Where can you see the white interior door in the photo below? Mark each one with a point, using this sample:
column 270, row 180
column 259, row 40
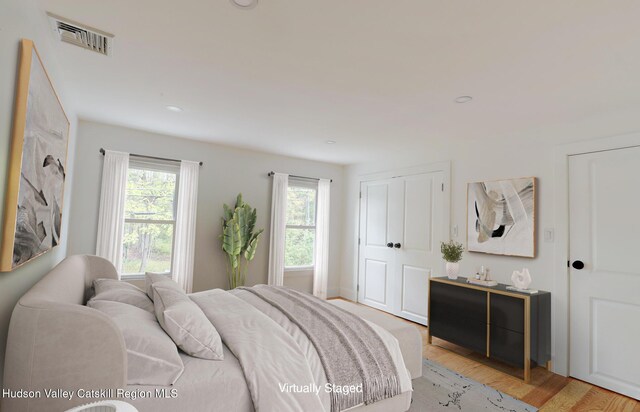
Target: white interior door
column 419, row 252
column 400, row 233
column 375, row 258
column 604, row 195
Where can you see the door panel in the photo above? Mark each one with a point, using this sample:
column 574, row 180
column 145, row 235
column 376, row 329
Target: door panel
column 377, row 214
column 415, row 286
column 418, row 199
column 375, row 258
column 604, row 193
column 421, row 228
column 375, row 281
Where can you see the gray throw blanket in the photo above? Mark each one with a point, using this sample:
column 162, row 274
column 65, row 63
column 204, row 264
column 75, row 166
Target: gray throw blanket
column 351, row 352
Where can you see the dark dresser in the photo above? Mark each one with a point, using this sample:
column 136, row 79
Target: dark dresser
column 510, row 326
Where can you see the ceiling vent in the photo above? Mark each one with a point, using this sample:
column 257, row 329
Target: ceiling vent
column 71, row 32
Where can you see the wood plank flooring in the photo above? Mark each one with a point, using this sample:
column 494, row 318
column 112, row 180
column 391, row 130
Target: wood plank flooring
column 547, row 391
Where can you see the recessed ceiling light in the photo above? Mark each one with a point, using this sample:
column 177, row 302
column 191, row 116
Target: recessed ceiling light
column 330, row 142
column 463, row 99
column 245, row 4
column 174, row 109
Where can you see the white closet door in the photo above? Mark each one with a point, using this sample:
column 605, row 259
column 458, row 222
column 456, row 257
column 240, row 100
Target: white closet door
column 376, row 258
column 400, row 235
column 419, row 252
column 604, row 193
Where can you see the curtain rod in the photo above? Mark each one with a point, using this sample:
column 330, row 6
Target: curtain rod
column 271, row 173
column 149, row 157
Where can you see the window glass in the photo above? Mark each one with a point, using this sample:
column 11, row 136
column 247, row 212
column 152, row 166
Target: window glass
column 149, row 220
column 301, row 206
column 301, row 225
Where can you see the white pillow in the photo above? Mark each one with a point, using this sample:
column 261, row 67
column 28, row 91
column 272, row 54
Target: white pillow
column 185, row 322
column 152, row 357
column 118, row 291
column 150, row 278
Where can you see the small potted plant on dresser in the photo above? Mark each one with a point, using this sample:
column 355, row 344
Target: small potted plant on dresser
column 452, row 254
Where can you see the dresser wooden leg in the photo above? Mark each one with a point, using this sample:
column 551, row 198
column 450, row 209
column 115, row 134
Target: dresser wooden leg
column 527, row 371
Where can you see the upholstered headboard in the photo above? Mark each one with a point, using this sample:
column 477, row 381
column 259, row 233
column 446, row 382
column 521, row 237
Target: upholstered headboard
column 55, row 342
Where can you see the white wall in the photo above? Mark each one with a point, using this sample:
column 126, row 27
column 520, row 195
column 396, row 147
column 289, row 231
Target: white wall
column 226, row 171
column 471, row 163
column 476, row 161
column 24, row 19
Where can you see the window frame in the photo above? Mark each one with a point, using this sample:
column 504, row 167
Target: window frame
column 309, row 184
column 163, row 167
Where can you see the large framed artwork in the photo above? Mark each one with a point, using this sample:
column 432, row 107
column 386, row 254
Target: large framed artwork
column 38, row 157
column 501, row 217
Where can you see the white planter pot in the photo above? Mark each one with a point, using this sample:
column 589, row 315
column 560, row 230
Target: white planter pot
column 452, row 270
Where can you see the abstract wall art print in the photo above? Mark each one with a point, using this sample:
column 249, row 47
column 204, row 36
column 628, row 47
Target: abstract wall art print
column 38, row 157
column 501, row 217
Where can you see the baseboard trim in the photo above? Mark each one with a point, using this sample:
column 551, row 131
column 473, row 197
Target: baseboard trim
column 349, row 293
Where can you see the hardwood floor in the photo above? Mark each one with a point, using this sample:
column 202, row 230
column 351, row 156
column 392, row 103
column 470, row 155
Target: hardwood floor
column 547, row 391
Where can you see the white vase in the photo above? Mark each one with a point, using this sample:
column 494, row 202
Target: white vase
column 452, row 270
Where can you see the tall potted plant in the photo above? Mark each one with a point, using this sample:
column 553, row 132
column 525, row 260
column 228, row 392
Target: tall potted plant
column 452, row 254
column 239, row 240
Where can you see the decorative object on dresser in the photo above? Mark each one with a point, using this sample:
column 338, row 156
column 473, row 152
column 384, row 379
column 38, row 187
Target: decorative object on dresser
column 512, row 327
column 501, row 217
column 239, row 240
column 521, row 280
column 38, row 157
column 452, row 254
column 482, row 278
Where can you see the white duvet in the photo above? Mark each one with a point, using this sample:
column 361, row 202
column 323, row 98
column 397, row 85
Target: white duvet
column 281, row 366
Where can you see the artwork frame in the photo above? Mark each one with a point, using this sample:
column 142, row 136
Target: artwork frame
column 34, row 196
column 514, row 232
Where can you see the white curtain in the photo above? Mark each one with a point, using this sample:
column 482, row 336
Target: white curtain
column 111, row 216
column 278, row 228
column 185, row 237
column 321, row 258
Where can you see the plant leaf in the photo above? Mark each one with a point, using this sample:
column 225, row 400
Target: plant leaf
column 231, row 238
column 228, row 213
column 250, row 252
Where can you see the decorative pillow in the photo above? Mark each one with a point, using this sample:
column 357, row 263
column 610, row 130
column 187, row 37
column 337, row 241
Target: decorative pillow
column 118, row 291
column 185, row 322
column 150, row 278
column 152, row 357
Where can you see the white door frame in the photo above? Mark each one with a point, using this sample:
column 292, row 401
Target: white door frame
column 560, row 299
column 444, row 167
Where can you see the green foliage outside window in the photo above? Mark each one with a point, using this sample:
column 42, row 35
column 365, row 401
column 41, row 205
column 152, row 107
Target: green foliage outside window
column 301, row 230
column 149, row 221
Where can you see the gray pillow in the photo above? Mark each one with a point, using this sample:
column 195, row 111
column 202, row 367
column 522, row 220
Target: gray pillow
column 150, row 278
column 152, row 357
column 185, row 322
column 119, row 291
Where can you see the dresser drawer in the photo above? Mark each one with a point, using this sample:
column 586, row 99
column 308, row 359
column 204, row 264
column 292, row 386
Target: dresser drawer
column 455, row 301
column 507, row 312
column 462, row 331
column 506, row 345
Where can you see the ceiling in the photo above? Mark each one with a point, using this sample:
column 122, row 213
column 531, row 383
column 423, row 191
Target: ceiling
column 372, row 75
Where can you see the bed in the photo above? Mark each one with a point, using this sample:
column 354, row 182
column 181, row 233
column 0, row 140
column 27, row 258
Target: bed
column 55, row 341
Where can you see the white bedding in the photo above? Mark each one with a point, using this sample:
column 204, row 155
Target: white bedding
column 205, row 386
column 262, row 349
column 310, row 352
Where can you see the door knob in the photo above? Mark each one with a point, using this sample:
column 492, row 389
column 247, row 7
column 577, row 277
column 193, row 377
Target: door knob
column 389, row 244
column 578, row 264
column 397, row 245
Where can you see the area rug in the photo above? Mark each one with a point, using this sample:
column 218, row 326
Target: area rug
column 441, row 389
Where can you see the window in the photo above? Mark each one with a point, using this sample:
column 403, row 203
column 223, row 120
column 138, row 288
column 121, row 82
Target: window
column 150, row 218
column 301, row 225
